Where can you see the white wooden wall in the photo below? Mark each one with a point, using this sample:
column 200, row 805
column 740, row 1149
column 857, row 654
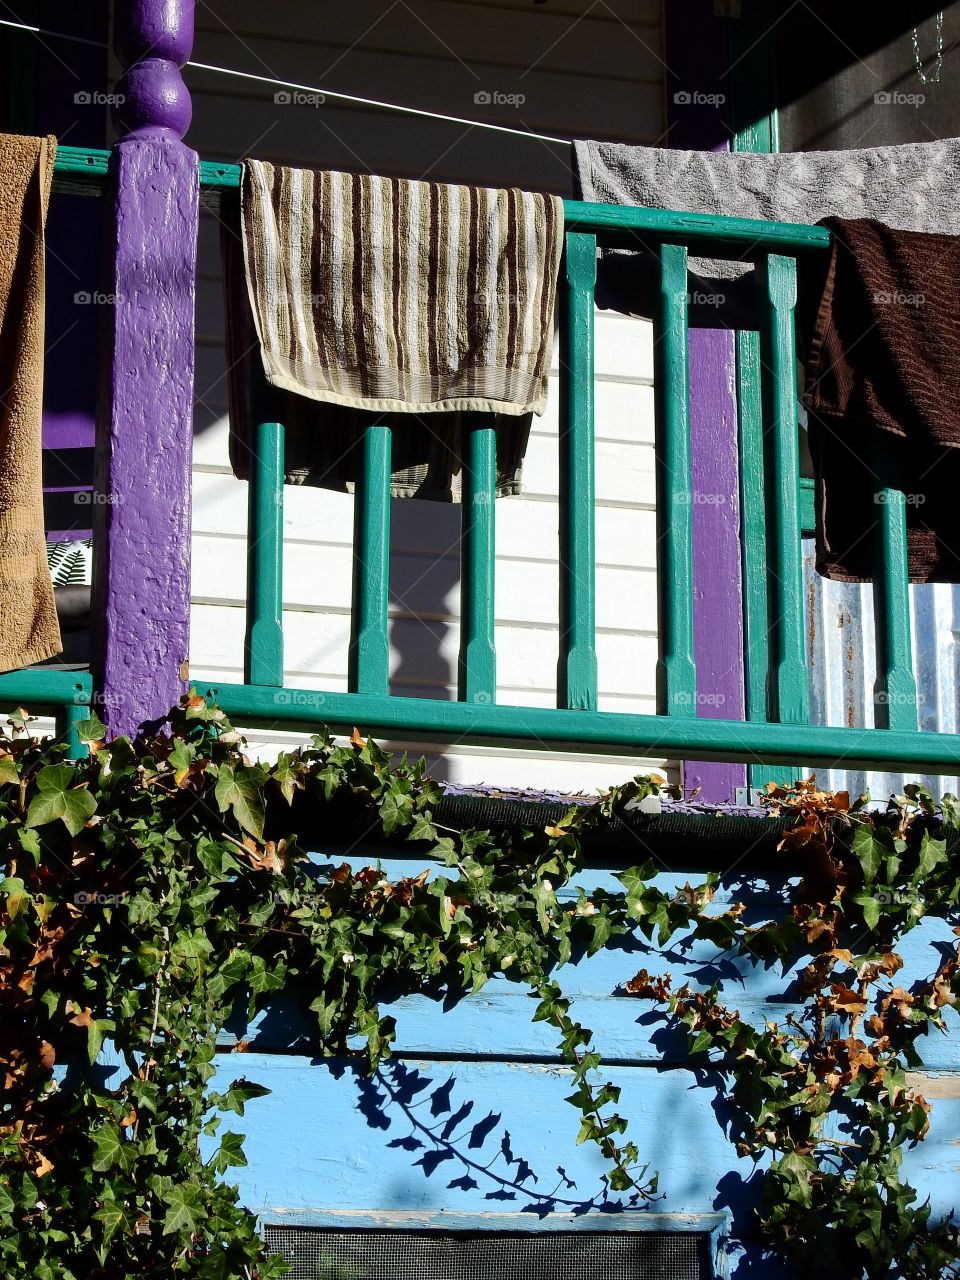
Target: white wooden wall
column 584, row 71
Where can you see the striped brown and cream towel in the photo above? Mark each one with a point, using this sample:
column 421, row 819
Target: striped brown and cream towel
column 386, row 294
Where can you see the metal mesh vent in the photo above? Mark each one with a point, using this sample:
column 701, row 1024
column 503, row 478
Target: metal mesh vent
column 320, row 1254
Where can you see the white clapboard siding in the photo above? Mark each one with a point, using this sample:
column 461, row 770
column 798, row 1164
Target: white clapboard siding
column 525, row 528
column 526, row 591
column 583, row 72
column 423, row 654
column 590, row 71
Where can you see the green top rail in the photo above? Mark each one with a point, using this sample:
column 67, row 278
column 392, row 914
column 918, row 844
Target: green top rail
column 83, row 171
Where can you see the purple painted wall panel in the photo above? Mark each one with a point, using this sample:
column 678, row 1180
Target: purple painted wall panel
column 698, row 118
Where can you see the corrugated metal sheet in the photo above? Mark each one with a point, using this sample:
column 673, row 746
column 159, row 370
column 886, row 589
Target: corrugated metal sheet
column 842, row 660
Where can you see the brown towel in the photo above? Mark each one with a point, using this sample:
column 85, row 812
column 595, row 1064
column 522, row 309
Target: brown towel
column 482, row 287
column 28, row 619
column 883, row 391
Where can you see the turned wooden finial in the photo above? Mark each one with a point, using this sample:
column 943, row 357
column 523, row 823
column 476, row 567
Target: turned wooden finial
column 154, row 39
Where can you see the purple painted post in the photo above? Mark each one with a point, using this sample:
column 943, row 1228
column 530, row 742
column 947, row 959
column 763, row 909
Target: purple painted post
column 143, row 480
column 698, row 118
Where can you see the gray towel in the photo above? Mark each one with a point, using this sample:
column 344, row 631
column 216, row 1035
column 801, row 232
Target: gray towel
column 914, row 187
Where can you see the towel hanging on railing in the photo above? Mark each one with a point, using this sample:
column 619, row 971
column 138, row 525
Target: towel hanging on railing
column 382, row 296
column 28, row 618
column 883, row 394
column 911, row 187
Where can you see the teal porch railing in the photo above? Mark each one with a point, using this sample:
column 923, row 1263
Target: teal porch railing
column 773, row 500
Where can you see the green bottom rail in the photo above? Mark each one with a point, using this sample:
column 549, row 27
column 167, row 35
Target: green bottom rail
column 555, row 729
column 68, row 694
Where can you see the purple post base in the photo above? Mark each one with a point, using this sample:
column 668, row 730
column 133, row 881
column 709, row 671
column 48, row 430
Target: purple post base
column 144, row 445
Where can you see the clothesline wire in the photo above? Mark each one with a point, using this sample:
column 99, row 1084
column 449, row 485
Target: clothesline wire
column 313, row 89
column 57, row 35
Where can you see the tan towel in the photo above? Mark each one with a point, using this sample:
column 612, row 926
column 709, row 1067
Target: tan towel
column 28, row 619
column 391, row 295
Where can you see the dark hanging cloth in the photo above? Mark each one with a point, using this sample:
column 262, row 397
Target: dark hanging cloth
column 883, row 397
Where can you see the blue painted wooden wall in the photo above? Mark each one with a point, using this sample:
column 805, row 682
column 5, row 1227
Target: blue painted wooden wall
column 467, row 1124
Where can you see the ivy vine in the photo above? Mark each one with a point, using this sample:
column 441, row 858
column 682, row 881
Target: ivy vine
column 866, row 879
column 150, row 887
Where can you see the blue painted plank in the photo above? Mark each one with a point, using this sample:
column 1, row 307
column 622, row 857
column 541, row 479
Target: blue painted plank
column 496, row 1022
column 480, row 1138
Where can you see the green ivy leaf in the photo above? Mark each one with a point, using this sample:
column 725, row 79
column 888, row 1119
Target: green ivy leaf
column 91, row 730
column 240, row 1092
column 114, row 1219
column 869, row 852
column 603, row 931
column 869, row 904
column 396, row 810
column 287, row 776
column 56, row 798
column 798, row 1169
column 95, row 1036
column 701, row 1042
column 241, row 790
column 108, row 1148
column 932, row 854
column 15, row 892
column 229, row 1153
column 182, row 1210
column 422, row 829
column 29, row 842
column 180, row 759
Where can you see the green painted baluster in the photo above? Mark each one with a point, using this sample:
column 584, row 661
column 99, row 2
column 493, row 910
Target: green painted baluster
column 808, row 505
column 263, row 646
column 676, row 671
column 577, row 668
column 777, row 296
column 369, row 642
column 895, row 689
column 68, row 716
column 477, row 673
